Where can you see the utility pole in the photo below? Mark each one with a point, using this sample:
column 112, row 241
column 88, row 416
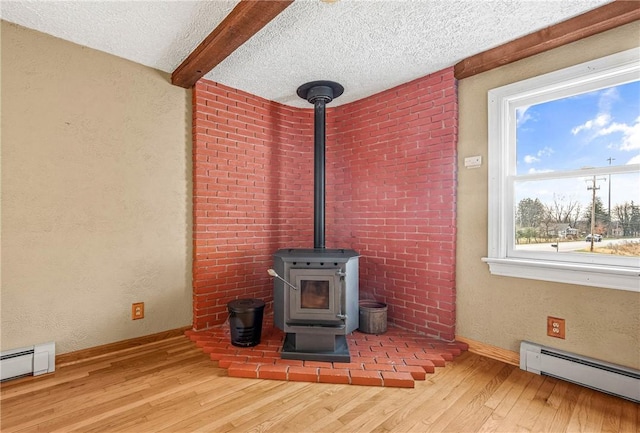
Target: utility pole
column 610, row 159
column 593, row 188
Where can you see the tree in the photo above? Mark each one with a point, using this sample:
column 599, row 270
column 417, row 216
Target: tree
column 635, row 219
column 530, row 213
column 628, row 217
column 601, row 215
column 563, row 210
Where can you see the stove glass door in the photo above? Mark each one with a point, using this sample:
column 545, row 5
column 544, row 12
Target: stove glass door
column 318, row 298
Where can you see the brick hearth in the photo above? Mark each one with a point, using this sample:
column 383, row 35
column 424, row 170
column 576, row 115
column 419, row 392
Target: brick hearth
column 396, row 358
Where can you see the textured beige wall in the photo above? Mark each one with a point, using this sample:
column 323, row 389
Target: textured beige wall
column 502, row 311
column 96, row 201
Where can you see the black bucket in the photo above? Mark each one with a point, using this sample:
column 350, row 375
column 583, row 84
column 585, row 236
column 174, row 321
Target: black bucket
column 245, row 321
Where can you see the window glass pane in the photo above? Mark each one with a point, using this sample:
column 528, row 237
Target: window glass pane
column 314, row 294
column 561, row 209
column 594, row 129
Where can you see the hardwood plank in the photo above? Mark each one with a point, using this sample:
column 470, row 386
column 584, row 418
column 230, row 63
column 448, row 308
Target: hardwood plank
column 565, row 409
column 245, row 20
column 552, row 403
column 604, row 18
column 510, row 410
column 463, row 384
column 579, row 421
column 172, row 386
column 536, row 404
column 611, row 417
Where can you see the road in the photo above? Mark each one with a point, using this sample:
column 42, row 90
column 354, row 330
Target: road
column 573, row 245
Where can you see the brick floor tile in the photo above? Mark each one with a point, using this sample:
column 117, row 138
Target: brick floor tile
column 318, row 364
column 292, row 362
column 261, row 360
column 369, row 378
column 447, row 355
column 222, row 353
column 437, row 360
column 303, row 374
column 349, row 365
column 277, row 372
column 377, row 349
column 390, row 359
column 416, row 371
column 398, row 380
column 250, row 370
column 334, row 375
column 364, row 356
column 378, row 367
column 425, row 364
column 226, row 361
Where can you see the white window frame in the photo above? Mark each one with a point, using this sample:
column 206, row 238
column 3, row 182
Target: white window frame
column 590, row 270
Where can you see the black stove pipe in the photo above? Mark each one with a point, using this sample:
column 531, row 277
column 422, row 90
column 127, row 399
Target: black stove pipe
column 319, row 93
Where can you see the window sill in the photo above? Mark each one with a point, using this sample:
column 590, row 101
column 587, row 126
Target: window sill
column 611, row 277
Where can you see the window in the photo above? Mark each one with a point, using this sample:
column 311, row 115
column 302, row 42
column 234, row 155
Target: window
column 564, row 175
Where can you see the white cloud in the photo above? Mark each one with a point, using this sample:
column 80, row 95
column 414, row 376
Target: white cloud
column 631, row 139
column 530, row 159
column 546, row 151
column 630, row 134
column 601, row 120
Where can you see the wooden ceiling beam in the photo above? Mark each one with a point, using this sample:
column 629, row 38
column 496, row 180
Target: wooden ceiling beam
column 604, row 18
column 244, row 21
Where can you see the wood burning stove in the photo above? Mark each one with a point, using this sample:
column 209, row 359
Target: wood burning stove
column 316, row 290
column 320, row 306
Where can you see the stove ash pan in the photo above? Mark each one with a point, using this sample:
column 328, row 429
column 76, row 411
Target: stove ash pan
column 325, row 298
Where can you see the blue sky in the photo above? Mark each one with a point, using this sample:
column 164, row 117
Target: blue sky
column 581, row 131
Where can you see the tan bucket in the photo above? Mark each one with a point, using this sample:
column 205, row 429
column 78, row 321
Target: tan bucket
column 373, row 317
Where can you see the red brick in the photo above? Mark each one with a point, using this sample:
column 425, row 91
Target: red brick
column 361, row 377
column 334, row 375
column 226, row 361
column 243, row 370
column 399, row 380
column 425, row 364
column 348, row 365
column 437, row 360
column 291, row 362
column 389, row 361
column 218, row 354
column 318, row 364
column 378, row 367
column 277, row 372
column 303, row 374
column 416, row 372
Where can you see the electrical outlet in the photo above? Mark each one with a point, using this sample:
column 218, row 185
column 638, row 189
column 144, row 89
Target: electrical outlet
column 555, row 327
column 137, row 311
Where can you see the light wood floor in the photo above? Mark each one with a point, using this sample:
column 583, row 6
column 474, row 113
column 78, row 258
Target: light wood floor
column 171, row 386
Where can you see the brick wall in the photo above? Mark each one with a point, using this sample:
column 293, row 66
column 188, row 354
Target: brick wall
column 391, row 161
column 391, row 195
column 252, row 180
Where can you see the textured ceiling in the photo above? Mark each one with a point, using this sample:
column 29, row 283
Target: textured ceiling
column 367, row 46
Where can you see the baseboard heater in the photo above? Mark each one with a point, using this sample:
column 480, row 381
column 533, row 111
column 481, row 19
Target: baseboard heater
column 27, row 361
column 610, row 378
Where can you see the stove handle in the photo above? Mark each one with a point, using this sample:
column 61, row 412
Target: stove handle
column 342, row 274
